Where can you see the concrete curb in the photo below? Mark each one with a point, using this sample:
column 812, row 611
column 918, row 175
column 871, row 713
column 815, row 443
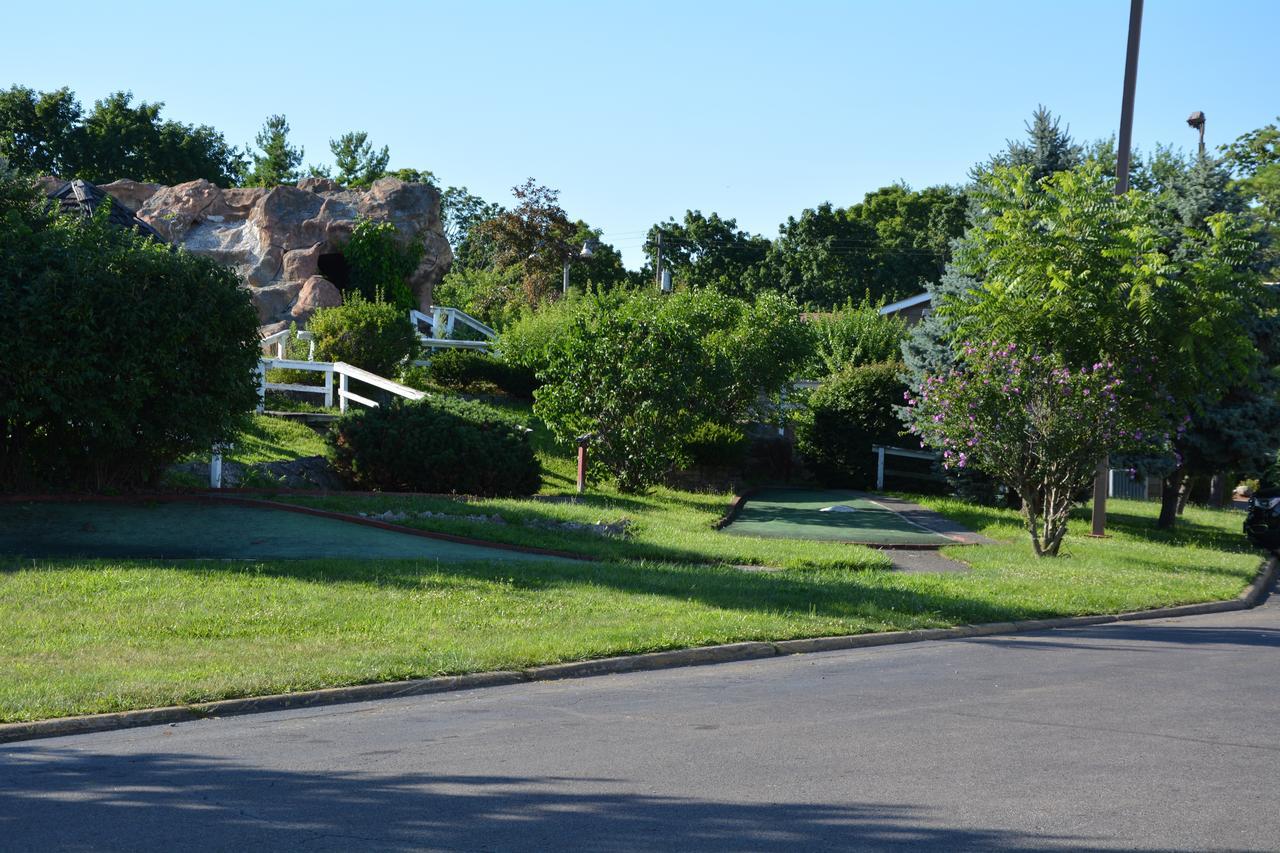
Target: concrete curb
column 10, row 732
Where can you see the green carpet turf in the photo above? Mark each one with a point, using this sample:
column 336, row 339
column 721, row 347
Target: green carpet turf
column 796, row 514
column 202, row 530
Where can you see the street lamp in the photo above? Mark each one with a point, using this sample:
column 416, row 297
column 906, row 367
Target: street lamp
column 588, row 250
column 1196, row 120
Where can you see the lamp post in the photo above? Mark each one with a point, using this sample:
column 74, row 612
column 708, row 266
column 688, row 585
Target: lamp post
column 1196, row 121
column 588, row 250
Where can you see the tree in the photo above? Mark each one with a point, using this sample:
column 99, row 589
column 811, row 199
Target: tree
column 460, row 212
column 913, row 236
column 276, row 161
column 1254, row 160
column 414, row 176
column 820, row 260
column 856, row 335
column 1032, row 421
column 358, row 164
column 48, row 133
column 128, row 354
column 705, row 251
column 1066, row 267
column 40, row 132
column 1047, row 149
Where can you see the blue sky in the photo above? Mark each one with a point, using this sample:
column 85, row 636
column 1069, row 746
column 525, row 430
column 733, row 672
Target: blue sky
column 638, row 111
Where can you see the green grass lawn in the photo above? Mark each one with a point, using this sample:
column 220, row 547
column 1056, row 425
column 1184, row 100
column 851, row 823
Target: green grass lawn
column 80, row 636
column 85, row 636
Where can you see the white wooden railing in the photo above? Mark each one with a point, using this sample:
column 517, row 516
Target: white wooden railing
column 280, row 342
column 442, row 321
column 344, row 373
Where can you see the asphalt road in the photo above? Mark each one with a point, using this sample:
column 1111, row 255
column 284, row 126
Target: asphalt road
column 1150, row 735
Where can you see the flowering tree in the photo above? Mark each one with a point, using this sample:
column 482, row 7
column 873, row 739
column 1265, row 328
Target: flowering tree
column 1034, row 424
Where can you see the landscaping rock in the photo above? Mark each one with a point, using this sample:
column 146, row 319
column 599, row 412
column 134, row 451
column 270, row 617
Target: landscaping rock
column 274, row 300
column 317, row 292
column 310, row 472
column 132, row 194
column 273, row 236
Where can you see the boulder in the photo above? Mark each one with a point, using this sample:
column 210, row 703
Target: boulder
column 274, row 236
column 274, row 300
column 132, row 194
column 317, row 292
column 301, row 264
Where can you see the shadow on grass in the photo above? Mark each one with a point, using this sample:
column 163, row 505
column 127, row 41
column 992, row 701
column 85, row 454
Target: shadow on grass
column 834, row 596
column 61, row 798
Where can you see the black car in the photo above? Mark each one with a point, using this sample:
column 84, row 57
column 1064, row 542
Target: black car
column 1262, row 524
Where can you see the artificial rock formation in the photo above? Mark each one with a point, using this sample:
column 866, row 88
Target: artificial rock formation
column 281, row 239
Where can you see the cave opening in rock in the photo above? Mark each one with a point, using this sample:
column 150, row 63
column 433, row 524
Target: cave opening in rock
column 334, row 267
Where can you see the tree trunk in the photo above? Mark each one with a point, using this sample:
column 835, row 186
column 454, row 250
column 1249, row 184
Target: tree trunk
column 1169, row 498
column 1218, row 490
column 1184, row 494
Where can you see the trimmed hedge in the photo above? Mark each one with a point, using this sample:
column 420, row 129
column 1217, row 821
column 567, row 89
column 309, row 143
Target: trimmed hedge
column 120, row 355
column 848, row 413
column 440, row 444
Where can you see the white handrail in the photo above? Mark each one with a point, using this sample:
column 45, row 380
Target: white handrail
column 350, row 371
column 325, row 367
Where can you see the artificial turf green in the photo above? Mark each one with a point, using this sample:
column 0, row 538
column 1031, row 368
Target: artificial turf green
column 809, row 514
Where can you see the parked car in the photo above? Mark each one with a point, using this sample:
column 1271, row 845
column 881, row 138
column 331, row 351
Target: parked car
column 1262, row 524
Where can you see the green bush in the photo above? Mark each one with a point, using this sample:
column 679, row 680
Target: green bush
column 468, row 369
column 440, row 445
column 853, row 336
column 120, row 355
column 644, row 373
column 528, row 342
column 380, row 265
column 716, row 445
column 847, row 414
column 375, row 336
column 493, row 296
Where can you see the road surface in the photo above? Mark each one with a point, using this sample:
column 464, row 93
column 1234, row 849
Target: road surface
column 1148, row 735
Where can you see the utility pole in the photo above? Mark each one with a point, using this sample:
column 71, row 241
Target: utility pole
column 1196, row 121
column 1103, row 475
column 657, row 269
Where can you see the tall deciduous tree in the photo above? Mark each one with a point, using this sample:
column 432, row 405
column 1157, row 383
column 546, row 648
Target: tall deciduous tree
column 1254, row 159
column 276, row 161
column 1066, row 266
column 706, row 251
column 49, row 133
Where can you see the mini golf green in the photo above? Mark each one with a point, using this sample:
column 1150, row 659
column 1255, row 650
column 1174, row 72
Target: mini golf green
column 184, row 529
column 850, row 517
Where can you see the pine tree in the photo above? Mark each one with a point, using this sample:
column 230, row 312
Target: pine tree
column 276, row 161
column 1048, row 148
column 358, row 164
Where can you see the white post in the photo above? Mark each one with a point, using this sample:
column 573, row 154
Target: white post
column 328, row 388
column 311, row 350
column 448, row 326
column 342, row 392
column 437, row 320
column 215, row 468
column 280, row 347
column 880, row 469
column 262, row 388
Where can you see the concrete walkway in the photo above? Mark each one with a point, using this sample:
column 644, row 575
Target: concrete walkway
column 1145, row 735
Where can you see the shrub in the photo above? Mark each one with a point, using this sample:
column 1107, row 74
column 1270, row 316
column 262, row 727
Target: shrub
column 716, row 445
column 628, row 376
column 643, row 374
column 120, row 355
column 1034, row 424
column 527, row 342
column 467, row 369
column 380, row 265
column 492, row 296
column 439, row 444
column 847, row 414
column 856, row 335
column 375, row 336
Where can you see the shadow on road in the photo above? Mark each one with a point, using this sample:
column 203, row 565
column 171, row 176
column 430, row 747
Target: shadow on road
column 59, row 798
column 1160, row 637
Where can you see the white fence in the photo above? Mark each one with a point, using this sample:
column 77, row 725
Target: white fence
column 344, row 373
column 442, row 322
